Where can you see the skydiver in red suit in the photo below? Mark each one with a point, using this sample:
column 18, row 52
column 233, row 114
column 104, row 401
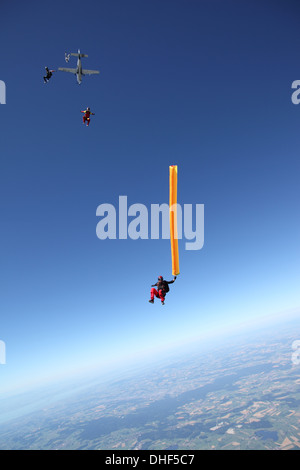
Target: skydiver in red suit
column 86, row 116
column 162, row 289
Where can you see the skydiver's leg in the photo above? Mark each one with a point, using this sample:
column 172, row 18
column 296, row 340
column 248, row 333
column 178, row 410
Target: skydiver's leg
column 84, row 119
column 88, row 121
column 153, row 293
column 161, row 295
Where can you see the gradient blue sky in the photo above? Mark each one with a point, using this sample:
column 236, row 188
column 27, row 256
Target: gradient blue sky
column 202, row 84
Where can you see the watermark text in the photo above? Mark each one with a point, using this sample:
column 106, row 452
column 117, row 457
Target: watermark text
column 296, row 352
column 2, row 92
column 138, row 226
column 2, row 352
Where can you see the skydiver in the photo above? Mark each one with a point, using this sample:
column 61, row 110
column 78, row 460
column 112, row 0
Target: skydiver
column 162, row 289
column 48, row 74
column 67, row 57
column 86, row 116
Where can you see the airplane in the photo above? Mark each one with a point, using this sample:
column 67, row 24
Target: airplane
column 79, row 71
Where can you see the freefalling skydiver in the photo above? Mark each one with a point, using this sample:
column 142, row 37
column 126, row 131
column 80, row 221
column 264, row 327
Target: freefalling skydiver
column 162, row 289
column 86, row 117
column 48, row 74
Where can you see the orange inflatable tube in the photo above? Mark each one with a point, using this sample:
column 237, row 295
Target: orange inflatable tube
column 173, row 219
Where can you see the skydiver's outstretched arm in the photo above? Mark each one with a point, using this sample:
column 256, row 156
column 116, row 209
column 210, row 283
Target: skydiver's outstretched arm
column 171, row 282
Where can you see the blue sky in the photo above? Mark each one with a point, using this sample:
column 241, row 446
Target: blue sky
column 203, row 84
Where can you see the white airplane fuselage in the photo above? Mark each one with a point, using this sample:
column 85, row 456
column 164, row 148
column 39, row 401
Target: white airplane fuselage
column 79, row 69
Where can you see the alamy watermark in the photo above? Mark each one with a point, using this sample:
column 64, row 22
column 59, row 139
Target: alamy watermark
column 296, row 352
column 295, row 95
column 2, row 92
column 138, row 226
column 2, row 352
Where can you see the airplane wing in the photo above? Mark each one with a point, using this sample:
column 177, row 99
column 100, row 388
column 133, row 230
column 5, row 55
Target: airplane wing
column 90, row 72
column 76, row 54
column 64, row 69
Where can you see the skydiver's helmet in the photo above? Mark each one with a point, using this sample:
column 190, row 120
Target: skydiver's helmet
column 160, row 278
column 88, row 109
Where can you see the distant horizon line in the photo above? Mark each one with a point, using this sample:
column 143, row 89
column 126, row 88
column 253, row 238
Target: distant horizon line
column 207, row 336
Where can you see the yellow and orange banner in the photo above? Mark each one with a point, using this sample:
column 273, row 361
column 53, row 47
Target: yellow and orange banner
column 173, row 219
